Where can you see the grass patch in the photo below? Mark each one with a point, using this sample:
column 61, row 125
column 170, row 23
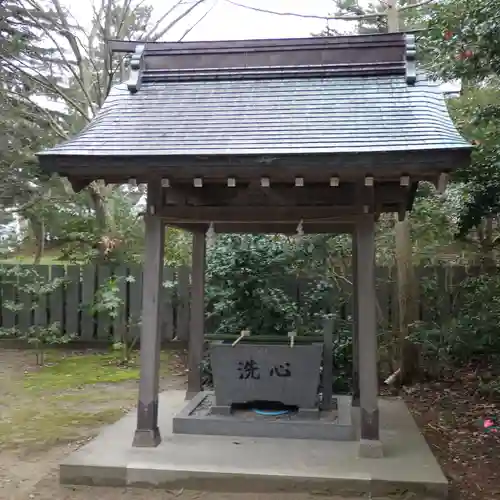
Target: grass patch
column 79, row 370
column 67, row 372
column 49, row 424
column 66, row 399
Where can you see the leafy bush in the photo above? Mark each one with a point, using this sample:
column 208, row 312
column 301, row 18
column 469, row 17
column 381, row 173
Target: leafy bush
column 108, row 300
column 470, row 332
column 251, row 284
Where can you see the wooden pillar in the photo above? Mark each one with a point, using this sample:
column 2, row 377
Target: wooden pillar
column 355, row 323
column 327, row 379
column 147, row 433
column 197, row 318
column 370, row 445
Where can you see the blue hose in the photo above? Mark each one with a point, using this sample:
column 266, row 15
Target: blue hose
column 270, row 413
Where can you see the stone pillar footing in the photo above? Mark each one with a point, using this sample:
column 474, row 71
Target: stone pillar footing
column 369, row 448
column 308, row 413
column 221, row 410
column 190, row 395
column 146, row 438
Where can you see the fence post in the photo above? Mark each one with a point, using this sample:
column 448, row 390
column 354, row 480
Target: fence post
column 56, row 299
column 72, row 303
column 40, row 318
column 103, row 318
column 88, row 291
column 183, row 276
column 9, row 317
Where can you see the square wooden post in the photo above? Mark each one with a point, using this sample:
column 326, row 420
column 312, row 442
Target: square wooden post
column 355, row 323
column 147, row 433
column 197, row 318
column 370, row 445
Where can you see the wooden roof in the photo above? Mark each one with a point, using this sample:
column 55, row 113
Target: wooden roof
column 348, row 106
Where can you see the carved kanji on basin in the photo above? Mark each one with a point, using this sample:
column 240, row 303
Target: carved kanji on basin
column 276, row 373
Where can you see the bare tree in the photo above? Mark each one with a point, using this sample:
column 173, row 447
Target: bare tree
column 77, row 72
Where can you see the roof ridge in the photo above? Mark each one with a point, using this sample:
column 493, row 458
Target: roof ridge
column 380, row 39
column 344, row 58
column 279, row 72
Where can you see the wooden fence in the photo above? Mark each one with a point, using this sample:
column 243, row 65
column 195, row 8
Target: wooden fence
column 70, row 304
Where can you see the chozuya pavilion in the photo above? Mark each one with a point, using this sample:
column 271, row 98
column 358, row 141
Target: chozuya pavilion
column 263, row 136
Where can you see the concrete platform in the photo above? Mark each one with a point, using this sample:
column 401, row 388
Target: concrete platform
column 242, row 464
column 196, row 418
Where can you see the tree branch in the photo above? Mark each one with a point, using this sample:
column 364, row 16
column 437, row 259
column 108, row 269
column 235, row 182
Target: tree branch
column 191, row 28
column 56, row 127
column 328, row 18
column 43, row 82
column 70, row 38
column 162, row 18
column 157, row 36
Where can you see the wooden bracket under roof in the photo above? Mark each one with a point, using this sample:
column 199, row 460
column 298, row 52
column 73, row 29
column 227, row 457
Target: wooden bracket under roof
column 136, row 66
column 411, row 59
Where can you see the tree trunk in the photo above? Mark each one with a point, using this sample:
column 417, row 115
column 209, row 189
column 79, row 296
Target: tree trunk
column 38, row 229
column 407, row 301
column 407, row 285
column 101, row 215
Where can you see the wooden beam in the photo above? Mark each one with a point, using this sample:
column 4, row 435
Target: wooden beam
column 404, row 181
column 366, row 196
column 197, row 317
column 147, row 433
column 283, row 168
column 122, row 46
column 256, row 214
column 268, row 227
column 278, row 194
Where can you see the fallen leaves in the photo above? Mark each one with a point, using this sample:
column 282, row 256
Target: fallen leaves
column 451, row 413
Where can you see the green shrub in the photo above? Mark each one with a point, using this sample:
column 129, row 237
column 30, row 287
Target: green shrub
column 251, row 284
column 470, row 331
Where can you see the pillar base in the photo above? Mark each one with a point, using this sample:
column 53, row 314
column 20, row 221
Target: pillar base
column 146, row 438
column 356, row 421
column 370, row 448
column 308, row 413
column 190, row 395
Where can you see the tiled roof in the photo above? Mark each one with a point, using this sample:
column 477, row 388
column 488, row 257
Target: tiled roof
column 226, row 116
